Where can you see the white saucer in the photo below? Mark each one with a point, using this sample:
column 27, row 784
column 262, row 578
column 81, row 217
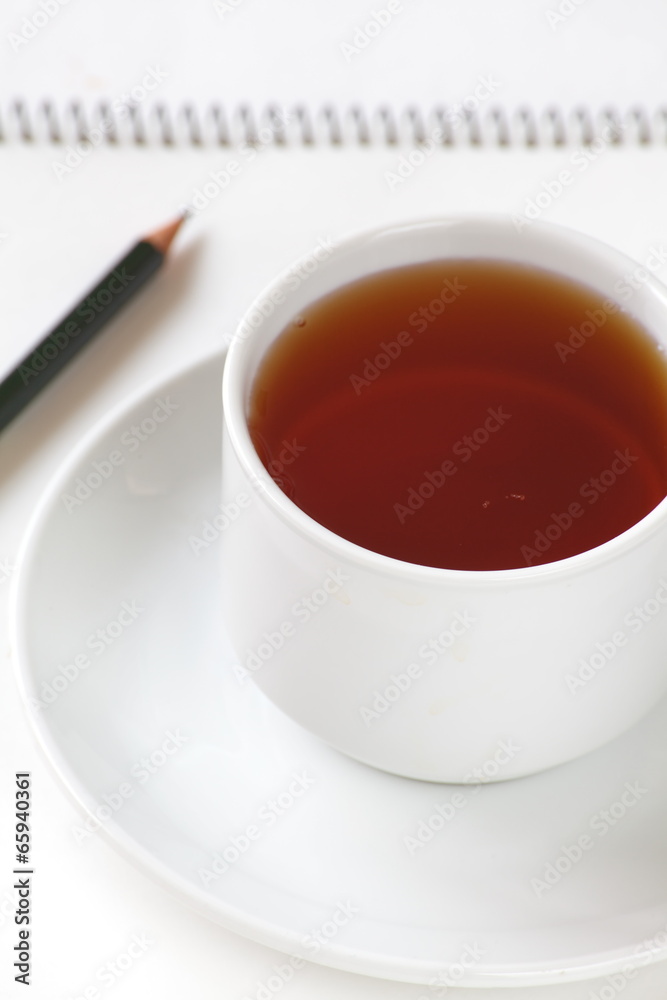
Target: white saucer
column 461, row 908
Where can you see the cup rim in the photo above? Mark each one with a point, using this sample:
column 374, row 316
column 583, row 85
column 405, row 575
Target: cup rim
column 268, row 492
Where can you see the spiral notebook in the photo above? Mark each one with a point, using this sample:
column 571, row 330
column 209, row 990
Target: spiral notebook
column 267, row 185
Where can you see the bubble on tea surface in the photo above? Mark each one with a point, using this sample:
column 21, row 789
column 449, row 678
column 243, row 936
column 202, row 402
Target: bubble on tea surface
column 299, row 321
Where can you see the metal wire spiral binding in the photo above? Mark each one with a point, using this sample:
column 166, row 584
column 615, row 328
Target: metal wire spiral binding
column 448, row 126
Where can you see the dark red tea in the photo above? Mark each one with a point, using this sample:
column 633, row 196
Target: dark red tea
column 466, row 414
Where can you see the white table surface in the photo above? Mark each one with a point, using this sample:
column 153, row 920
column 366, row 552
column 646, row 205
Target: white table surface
column 596, row 52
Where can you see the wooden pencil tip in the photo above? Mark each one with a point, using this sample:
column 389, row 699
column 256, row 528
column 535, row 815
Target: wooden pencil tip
column 162, row 238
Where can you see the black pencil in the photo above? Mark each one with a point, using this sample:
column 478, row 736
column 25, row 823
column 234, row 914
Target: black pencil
column 87, row 318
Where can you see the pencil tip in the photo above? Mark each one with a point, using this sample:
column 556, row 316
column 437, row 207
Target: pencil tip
column 162, row 238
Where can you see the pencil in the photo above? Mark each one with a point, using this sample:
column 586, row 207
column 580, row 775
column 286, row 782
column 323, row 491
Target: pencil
column 87, row 318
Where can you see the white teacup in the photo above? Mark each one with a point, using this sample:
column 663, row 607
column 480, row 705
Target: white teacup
column 535, row 665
